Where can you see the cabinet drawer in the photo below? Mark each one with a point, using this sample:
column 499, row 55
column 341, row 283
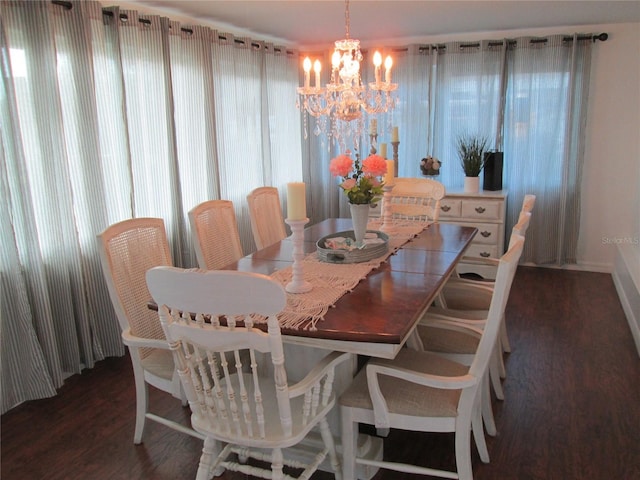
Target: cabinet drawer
column 450, row 208
column 487, row 232
column 482, row 250
column 481, row 209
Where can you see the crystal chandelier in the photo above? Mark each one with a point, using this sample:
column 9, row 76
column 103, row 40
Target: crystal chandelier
column 345, row 98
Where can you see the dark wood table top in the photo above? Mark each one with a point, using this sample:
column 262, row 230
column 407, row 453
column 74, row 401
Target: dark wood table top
column 377, row 317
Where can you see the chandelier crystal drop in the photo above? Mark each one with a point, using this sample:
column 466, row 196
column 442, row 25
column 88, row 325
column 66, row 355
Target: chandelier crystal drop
column 345, row 98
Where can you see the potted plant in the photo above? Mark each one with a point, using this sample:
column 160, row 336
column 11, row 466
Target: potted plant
column 471, row 149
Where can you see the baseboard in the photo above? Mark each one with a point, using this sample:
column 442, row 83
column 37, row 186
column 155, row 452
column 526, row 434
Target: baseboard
column 626, row 278
column 581, row 266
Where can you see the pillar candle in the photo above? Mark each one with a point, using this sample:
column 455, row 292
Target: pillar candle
column 296, row 201
column 383, row 150
column 394, row 135
column 391, row 170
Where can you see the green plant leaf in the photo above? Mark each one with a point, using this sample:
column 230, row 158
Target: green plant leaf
column 471, row 149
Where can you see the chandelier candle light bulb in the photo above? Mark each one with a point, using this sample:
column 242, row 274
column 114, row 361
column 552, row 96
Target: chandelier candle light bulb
column 317, row 67
column 335, row 61
column 377, row 61
column 296, row 201
column 306, row 66
column 387, row 65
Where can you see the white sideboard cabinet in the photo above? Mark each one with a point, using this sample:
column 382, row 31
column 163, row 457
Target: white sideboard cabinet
column 485, row 210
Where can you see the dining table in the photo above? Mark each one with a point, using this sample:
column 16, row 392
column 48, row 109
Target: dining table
column 373, row 318
column 376, row 317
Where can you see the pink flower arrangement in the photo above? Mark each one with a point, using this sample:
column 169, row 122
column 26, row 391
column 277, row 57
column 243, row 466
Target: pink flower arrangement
column 430, row 166
column 341, row 166
column 360, row 182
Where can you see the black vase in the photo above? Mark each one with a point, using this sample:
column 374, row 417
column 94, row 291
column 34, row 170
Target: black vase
column 492, row 179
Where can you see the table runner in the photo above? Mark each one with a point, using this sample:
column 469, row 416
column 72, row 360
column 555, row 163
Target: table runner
column 331, row 281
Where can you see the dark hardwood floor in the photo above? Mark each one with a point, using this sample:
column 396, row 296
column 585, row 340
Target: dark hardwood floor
column 571, row 408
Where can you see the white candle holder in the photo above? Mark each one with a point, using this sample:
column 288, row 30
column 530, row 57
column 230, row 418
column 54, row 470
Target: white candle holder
column 373, row 137
column 298, row 283
column 387, row 220
column 395, row 146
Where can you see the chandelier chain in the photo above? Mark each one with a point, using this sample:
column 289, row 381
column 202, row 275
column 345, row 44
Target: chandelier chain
column 347, row 19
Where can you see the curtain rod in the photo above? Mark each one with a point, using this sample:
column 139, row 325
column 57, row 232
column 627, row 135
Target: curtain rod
column 221, row 36
column 601, row 36
column 497, row 43
column 123, row 16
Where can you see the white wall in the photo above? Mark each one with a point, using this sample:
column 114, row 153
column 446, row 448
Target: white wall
column 611, row 177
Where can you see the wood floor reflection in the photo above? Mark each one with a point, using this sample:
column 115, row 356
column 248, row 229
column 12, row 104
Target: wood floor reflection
column 571, row 408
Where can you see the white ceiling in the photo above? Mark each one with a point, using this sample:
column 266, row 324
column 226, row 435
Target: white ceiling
column 310, row 23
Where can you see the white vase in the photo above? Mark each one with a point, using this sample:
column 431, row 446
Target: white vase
column 471, row 184
column 359, row 218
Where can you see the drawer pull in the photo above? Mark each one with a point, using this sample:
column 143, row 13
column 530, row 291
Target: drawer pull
column 485, row 254
column 485, row 234
column 480, row 209
column 445, row 208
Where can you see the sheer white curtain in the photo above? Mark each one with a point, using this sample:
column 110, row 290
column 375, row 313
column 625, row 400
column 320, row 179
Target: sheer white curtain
column 544, row 127
column 55, row 320
column 108, row 115
column 257, row 124
column 446, row 91
column 412, row 71
column 467, row 101
column 528, row 97
column 317, row 152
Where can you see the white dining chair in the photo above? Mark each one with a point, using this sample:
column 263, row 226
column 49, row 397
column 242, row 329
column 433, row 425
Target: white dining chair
column 468, row 300
column 252, row 412
column 528, row 202
column 127, row 250
column 422, row 391
column 453, row 334
column 215, row 234
column 416, row 199
column 267, row 220
column 470, row 294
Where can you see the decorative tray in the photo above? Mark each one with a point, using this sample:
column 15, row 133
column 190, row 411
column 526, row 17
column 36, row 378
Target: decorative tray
column 340, row 247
